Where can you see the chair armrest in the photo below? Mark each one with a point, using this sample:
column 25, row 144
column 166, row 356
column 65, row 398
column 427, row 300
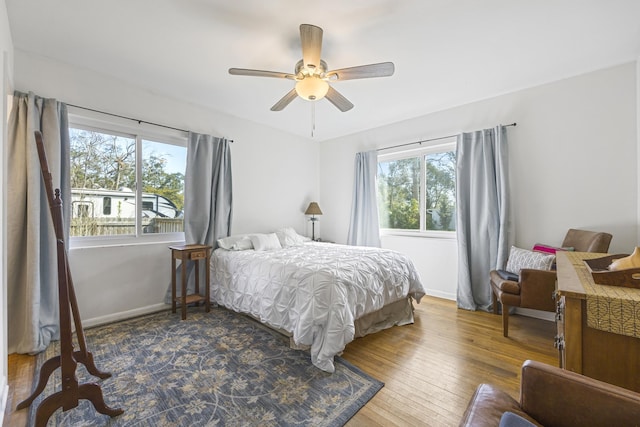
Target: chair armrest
column 487, row 406
column 504, row 285
column 554, row 396
column 537, row 288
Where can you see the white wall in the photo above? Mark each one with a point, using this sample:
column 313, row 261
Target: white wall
column 573, row 162
column 275, row 175
column 638, row 137
column 6, row 67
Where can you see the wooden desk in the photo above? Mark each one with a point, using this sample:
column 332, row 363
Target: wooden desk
column 609, row 357
column 185, row 253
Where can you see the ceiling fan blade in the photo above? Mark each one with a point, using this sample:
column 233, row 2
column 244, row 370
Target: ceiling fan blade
column 285, row 100
column 338, row 100
column 382, row 69
column 260, row 73
column 311, row 38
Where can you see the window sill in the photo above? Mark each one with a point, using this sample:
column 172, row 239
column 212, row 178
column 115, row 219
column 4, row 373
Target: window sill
column 116, row 241
column 449, row 235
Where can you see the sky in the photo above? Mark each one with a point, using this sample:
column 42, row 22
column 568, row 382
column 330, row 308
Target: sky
column 176, row 156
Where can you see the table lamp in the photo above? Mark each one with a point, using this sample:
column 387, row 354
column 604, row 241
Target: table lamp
column 313, row 210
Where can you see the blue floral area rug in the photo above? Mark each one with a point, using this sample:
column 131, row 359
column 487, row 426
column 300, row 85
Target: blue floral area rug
column 213, row 369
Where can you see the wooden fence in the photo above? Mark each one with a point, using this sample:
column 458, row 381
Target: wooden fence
column 164, row 225
column 123, row 226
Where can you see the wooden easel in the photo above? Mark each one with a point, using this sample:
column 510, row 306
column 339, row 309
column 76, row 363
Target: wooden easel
column 71, row 392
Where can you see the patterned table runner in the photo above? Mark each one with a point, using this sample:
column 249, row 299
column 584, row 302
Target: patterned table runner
column 614, row 309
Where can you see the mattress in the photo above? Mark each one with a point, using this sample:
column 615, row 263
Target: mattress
column 316, row 291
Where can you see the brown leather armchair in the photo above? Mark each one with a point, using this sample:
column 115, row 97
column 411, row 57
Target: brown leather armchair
column 551, row 396
column 535, row 288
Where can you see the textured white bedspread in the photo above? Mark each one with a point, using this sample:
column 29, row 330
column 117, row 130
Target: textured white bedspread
column 315, row 291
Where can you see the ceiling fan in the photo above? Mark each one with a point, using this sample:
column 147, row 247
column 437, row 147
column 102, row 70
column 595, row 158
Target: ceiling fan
column 312, row 76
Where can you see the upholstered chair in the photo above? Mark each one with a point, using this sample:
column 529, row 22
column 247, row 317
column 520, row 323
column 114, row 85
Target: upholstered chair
column 535, row 288
column 552, row 396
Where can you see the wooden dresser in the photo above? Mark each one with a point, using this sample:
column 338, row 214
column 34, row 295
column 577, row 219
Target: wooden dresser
column 595, row 352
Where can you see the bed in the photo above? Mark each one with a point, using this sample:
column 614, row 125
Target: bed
column 323, row 295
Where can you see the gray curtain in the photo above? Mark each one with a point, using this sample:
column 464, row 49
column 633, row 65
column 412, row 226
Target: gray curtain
column 364, row 229
column 482, row 193
column 32, row 272
column 207, row 196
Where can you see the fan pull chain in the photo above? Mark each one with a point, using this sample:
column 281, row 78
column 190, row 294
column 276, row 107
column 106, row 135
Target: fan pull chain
column 313, row 119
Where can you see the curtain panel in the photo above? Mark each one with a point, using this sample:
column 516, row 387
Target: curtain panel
column 207, row 196
column 482, row 197
column 364, row 228
column 32, row 271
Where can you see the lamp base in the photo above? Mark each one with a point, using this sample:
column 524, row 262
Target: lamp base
column 313, row 229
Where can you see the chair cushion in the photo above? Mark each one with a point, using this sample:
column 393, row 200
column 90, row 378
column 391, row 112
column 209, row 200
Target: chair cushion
column 523, row 258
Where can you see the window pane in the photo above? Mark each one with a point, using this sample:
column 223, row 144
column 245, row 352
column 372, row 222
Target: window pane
column 106, row 205
column 399, row 194
column 163, row 167
column 102, row 170
column 440, row 197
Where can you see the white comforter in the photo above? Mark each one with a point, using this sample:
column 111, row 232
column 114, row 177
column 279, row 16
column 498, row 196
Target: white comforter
column 315, row 291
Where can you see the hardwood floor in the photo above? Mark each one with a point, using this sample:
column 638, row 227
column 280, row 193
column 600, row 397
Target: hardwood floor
column 21, row 374
column 430, row 369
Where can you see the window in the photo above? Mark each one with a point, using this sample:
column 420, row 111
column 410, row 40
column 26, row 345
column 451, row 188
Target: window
column 106, row 206
column 107, row 163
column 416, row 189
column 82, row 210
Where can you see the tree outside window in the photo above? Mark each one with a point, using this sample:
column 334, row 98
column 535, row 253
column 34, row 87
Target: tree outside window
column 440, row 191
column 399, row 194
column 418, row 192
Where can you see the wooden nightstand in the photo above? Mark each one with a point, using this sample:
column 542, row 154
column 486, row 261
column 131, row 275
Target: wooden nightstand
column 185, row 253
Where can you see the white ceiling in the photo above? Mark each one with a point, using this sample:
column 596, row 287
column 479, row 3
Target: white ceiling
column 446, row 52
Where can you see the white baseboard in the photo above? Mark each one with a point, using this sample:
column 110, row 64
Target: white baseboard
column 4, row 394
column 544, row 315
column 537, row 314
column 440, row 294
column 115, row 317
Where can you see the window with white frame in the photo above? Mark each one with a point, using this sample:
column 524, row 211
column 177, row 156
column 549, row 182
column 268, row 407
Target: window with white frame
column 125, row 181
column 416, row 189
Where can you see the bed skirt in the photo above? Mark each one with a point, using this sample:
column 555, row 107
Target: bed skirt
column 398, row 313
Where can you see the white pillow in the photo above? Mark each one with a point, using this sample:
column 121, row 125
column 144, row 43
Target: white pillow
column 242, row 244
column 265, row 242
column 523, row 258
column 228, row 242
column 289, row 237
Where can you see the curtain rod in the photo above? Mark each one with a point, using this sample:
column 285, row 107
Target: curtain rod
column 428, row 140
column 130, row 118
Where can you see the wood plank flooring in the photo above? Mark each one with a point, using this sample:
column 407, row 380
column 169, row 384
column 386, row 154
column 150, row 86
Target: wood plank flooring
column 430, row 369
column 21, row 375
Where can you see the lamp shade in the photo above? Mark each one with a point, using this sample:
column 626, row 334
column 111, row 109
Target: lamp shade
column 312, row 88
column 313, row 209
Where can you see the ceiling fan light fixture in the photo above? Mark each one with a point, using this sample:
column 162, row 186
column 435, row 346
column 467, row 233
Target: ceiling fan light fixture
column 312, row 88
column 313, row 77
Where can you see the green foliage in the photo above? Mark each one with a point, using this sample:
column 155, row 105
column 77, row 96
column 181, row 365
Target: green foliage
column 440, row 192
column 399, row 192
column 157, row 181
